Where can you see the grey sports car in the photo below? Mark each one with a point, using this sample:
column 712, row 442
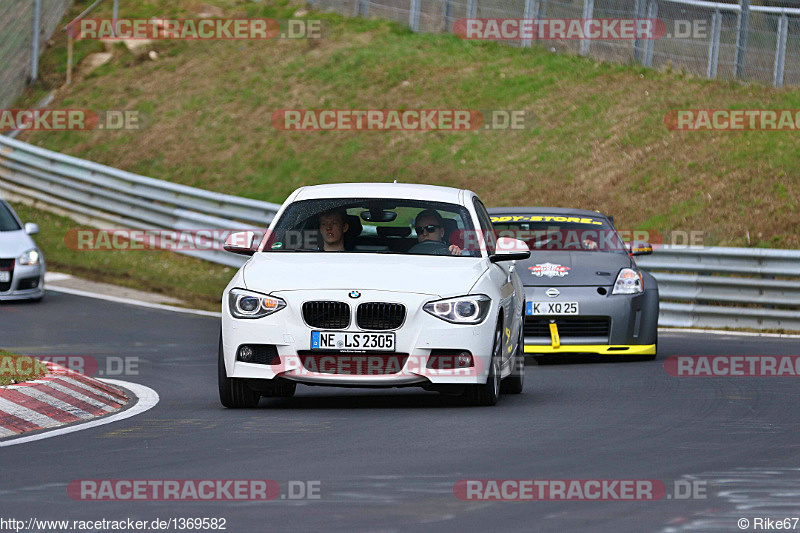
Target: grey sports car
column 21, row 262
column 583, row 290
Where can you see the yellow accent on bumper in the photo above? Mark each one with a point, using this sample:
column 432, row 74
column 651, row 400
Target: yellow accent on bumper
column 604, row 349
column 554, row 338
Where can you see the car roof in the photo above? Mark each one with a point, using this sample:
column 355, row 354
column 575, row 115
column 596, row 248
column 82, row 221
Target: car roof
column 410, row 191
column 543, row 211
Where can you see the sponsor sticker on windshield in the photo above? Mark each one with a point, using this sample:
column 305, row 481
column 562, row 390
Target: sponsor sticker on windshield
column 499, row 219
column 551, row 270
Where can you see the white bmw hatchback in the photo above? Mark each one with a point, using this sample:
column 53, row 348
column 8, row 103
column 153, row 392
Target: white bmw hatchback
column 374, row 285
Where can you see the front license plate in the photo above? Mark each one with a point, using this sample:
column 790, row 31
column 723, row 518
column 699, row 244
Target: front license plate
column 337, row 340
column 5, row 276
column 552, row 308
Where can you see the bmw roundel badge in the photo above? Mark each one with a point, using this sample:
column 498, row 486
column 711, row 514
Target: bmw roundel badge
column 355, row 294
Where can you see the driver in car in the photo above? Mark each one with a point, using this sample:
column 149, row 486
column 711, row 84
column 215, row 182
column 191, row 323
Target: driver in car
column 430, row 235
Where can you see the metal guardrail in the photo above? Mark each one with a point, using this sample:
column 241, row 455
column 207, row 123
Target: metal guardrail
column 727, row 287
column 106, row 197
column 711, row 287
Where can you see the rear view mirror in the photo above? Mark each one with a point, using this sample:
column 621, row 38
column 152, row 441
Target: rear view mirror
column 378, row 215
column 31, row 228
column 240, row 242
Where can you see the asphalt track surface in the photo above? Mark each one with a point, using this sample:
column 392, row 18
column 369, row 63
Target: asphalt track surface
column 387, row 460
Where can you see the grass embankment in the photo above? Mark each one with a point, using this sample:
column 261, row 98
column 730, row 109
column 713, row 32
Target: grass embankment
column 18, row 368
column 598, row 139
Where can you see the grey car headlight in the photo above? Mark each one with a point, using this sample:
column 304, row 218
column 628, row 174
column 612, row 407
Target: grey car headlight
column 29, row 258
column 471, row 309
column 629, row 281
column 251, row 304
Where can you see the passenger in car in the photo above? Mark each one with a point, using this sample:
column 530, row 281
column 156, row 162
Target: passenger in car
column 429, row 226
column 333, row 226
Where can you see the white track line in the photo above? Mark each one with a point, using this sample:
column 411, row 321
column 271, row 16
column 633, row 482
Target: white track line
column 131, row 301
column 148, row 398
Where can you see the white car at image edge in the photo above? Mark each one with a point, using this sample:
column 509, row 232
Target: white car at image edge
column 387, row 309
column 22, row 265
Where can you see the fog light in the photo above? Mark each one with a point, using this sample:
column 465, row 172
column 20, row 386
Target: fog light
column 464, row 360
column 245, row 353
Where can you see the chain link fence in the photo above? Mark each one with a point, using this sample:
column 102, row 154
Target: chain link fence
column 758, row 43
column 20, row 21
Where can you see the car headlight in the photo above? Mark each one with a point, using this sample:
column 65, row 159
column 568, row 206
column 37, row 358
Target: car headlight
column 29, row 258
column 629, row 281
column 249, row 304
column 470, row 309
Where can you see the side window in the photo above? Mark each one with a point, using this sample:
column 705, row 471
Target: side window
column 486, row 225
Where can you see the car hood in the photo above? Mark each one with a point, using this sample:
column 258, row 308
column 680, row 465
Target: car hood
column 561, row 268
column 433, row 275
column 15, row 243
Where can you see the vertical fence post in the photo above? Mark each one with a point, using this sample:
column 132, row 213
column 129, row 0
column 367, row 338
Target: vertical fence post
column 780, row 50
column 413, row 16
column 362, row 8
column 36, row 32
column 639, row 13
column 713, row 44
column 448, row 13
column 531, row 12
column 588, row 12
column 652, row 13
column 472, row 9
column 741, row 37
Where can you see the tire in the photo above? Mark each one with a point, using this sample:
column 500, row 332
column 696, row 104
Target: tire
column 514, row 383
column 234, row 393
column 488, row 393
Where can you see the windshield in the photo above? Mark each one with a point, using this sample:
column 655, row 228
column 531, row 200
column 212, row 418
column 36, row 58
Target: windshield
column 560, row 232
column 7, row 220
column 373, row 225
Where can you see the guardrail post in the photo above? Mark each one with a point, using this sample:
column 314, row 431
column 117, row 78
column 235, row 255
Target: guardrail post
column 742, row 27
column 472, row 9
column 115, row 15
column 713, row 44
column 531, row 12
column 37, row 21
column 448, row 13
column 362, row 8
column 588, row 12
column 652, row 13
column 780, row 50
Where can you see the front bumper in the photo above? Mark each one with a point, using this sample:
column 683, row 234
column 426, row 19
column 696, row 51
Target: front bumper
column 27, row 283
column 606, row 324
column 418, row 336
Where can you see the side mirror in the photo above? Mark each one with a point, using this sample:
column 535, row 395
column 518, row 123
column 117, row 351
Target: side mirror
column 241, row 242
column 508, row 249
column 31, row 228
column 641, row 248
